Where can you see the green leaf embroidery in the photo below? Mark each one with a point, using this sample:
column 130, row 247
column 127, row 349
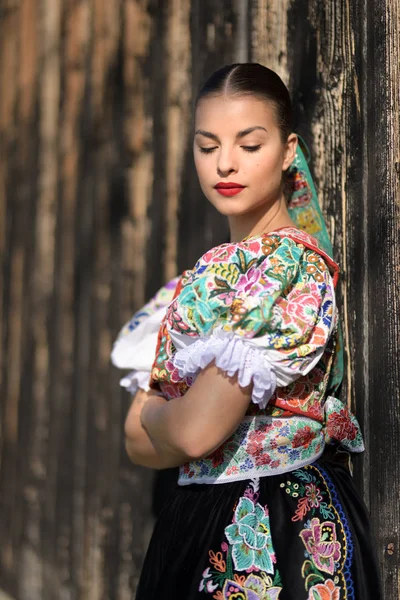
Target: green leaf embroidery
column 229, row 564
column 277, row 580
column 242, row 261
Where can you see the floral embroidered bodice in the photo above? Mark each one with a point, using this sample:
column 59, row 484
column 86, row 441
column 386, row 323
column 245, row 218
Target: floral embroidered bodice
column 263, row 309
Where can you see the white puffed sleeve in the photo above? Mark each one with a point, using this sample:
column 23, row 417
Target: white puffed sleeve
column 136, row 343
column 263, row 309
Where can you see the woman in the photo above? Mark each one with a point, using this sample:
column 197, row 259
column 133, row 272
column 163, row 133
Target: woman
column 247, row 359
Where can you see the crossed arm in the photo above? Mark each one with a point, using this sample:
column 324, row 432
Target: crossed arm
column 162, row 434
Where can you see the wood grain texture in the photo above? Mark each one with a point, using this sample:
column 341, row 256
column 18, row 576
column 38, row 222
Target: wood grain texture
column 177, row 120
column 100, row 203
column 383, row 255
column 215, row 28
column 269, row 39
column 346, row 105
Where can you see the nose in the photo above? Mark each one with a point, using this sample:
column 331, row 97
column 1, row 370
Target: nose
column 226, row 163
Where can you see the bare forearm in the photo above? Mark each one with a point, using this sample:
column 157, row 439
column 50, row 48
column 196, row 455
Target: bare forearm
column 148, row 456
column 159, row 420
column 169, row 428
column 200, row 421
column 138, row 444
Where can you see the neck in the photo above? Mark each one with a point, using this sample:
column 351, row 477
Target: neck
column 260, row 221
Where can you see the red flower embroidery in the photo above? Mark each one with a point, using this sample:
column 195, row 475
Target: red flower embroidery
column 299, row 393
column 253, row 246
column 303, row 304
column 217, row 457
column 221, row 253
column 303, row 437
column 264, row 459
column 257, row 436
column 254, row 448
column 264, row 427
column 340, row 426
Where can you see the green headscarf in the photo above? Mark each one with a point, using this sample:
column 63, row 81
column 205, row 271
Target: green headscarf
column 306, row 212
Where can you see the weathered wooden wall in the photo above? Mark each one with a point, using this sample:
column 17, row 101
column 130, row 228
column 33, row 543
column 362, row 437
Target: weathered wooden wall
column 95, row 167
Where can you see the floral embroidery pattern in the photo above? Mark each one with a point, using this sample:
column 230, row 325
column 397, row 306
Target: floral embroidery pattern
column 321, row 544
column 253, row 588
column 276, row 291
column 249, row 550
column 269, row 445
column 260, row 445
column 241, row 295
column 324, row 591
column 250, row 537
column 301, row 192
column 324, row 535
column 236, row 571
column 259, row 289
column 342, row 426
column 161, row 298
column 310, row 495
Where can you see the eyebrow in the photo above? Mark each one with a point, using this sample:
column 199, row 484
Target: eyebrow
column 239, row 134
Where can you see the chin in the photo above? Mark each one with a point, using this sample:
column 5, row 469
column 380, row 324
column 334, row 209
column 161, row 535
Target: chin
column 229, row 211
column 232, row 208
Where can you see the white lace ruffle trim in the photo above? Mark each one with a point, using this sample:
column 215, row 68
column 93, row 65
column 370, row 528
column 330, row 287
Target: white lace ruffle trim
column 135, row 380
column 234, row 356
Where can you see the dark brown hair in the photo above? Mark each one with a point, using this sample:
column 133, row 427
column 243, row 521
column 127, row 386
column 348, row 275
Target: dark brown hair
column 252, row 79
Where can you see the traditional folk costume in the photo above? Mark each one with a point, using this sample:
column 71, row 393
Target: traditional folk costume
column 273, row 513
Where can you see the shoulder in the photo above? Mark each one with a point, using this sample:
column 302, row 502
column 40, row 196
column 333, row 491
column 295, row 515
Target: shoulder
column 244, row 253
column 281, row 253
column 153, row 308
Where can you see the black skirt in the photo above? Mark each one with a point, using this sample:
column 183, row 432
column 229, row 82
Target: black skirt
column 303, row 535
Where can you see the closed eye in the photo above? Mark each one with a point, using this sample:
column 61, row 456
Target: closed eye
column 251, row 148
column 207, row 150
column 245, row 148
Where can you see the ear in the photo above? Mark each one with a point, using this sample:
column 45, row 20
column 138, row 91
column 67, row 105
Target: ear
column 290, row 151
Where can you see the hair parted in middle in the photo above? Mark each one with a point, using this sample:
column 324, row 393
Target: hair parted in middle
column 252, row 79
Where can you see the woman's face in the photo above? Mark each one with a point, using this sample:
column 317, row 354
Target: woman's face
column 237, row 141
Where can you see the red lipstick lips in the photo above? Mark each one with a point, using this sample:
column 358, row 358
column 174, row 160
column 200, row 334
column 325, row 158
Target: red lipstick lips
column 229, row 189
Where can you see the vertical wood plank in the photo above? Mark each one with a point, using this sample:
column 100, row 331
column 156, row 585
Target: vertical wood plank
column 325, row 72
column 178, row 98
column 33, row 400
column 79, row 256
column 242, row 36
column 132, row 518
column 383, row 255
column 214, row 30
column 12, row 288
column 68, row 432
column 138, row 130
column 104, row 56
column 269, row 40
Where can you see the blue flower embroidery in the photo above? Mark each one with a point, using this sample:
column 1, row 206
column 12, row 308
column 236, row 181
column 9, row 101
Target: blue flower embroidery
column 201, row 269
column 203, row 468
column 327, row 312
column 294, row 454
column 248, row 464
